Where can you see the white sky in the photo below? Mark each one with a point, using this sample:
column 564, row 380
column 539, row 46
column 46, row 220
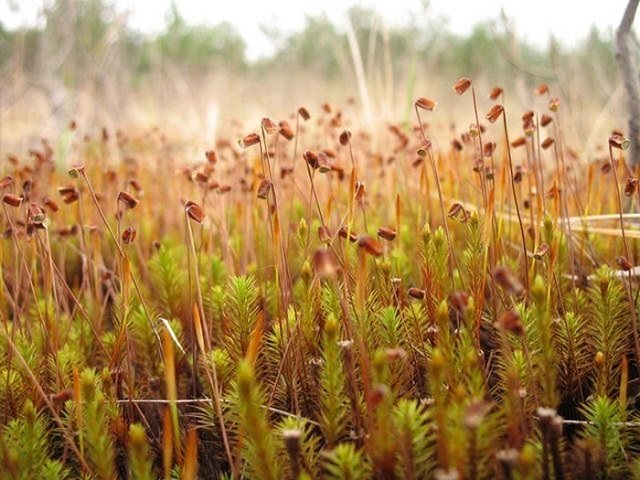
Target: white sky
column 568, row 20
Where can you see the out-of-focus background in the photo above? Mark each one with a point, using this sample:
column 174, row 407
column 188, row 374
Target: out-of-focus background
column 193, row 68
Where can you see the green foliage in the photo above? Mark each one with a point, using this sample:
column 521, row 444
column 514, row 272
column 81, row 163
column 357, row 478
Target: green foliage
column 300, row 446
column 424, row 43
column 169, row 279
column 435, row 256
column 259, row 446
column 575, row 357
column 346, row 462
column 145, row 348
column 546, row 350
column 415, row 439
column 274, row 352
column 318, row 47
column 25, row 445
column 603, row 428
column 99, row 445
column 333, row 411
column 201, row 45
column 609, row 328
column 139, row 456
column 441, row 350
column 240, row 310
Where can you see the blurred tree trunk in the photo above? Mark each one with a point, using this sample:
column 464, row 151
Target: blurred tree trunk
column 625, row 55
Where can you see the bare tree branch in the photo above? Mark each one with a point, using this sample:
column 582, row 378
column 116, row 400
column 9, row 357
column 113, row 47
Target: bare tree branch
column 629, row 72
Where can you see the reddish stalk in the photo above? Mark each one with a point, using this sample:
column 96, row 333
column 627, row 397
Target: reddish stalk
column 627, row 250
column 452, row 257
column 515, row 200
